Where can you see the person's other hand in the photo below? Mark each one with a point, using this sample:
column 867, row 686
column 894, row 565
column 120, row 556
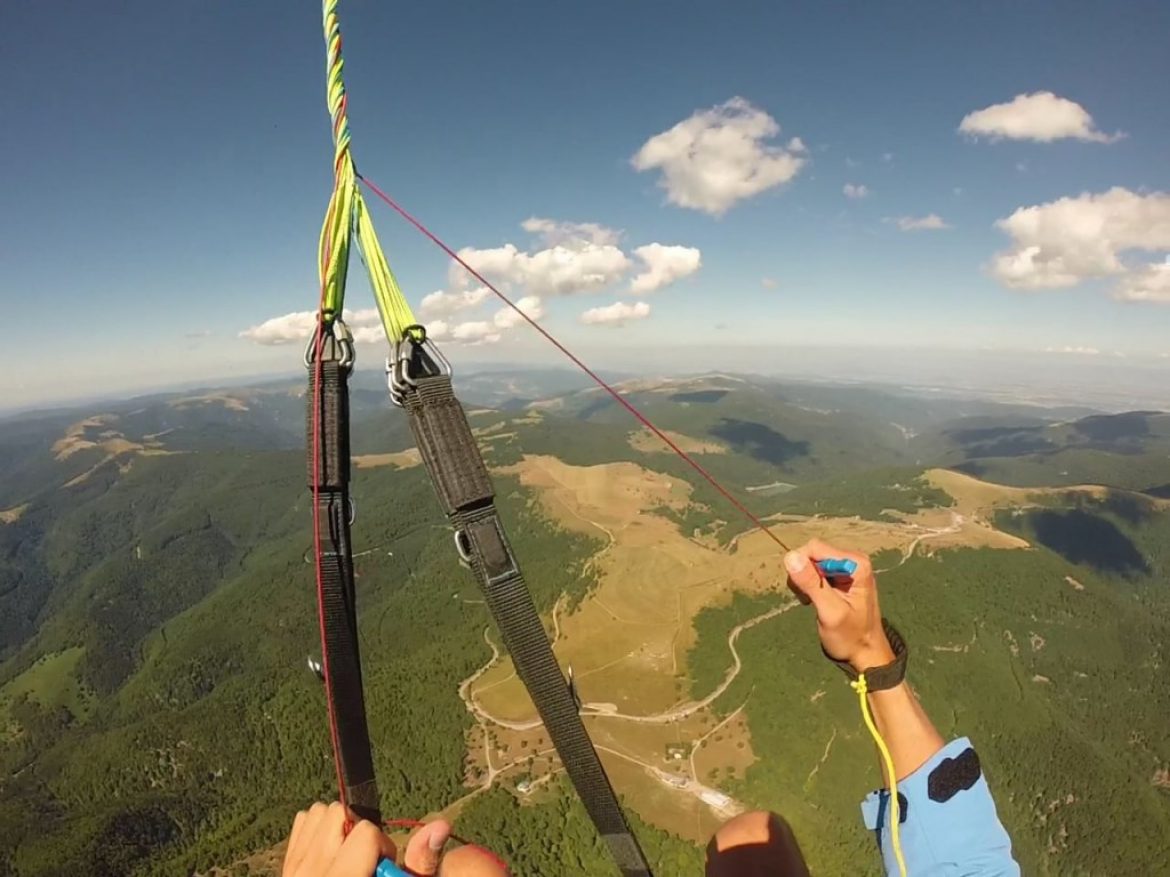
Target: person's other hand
column 849, row 621
column 319, row 847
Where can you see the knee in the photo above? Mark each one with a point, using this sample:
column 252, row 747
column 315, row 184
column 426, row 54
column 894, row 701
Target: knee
column 746, row 829
column 470, row 861
column 755, row 843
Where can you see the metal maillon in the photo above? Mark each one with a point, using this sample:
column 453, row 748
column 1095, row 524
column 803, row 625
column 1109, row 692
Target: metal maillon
column 413, row 356
column 335, row 342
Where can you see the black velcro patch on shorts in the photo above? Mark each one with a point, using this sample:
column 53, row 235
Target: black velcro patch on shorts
column 954, row 775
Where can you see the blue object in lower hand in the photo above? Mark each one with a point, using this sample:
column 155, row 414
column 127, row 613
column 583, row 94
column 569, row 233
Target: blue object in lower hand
column 386, row 868
column 834, row 567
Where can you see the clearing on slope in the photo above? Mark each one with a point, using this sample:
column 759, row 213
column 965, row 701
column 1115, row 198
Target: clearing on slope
column 648, row 443
column 12, row 515
column 230, row 402
column 98, row 434
column 399, row 459
column 50, row 682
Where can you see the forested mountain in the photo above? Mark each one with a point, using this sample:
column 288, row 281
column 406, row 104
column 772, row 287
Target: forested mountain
column 156, row 716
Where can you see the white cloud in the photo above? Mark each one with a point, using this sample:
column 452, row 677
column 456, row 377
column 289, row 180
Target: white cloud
column 720, row 156
column 581, row 257
column 664, row 265
column 554, row 232
column 768, row 282
column 1040, row 116
column 578, row 258
column 506, row 318
column 887, row 157
column 369, row 334
column 444, row 304
column 855, row 191
column 366, row 328
column 930, row 222
column 1151, row 283
column 617, row 314
column 1062, row 243
column 564, row 269
column 495, row 262
column 476, row 332
column 286, row 329
column 296, row 327
column 1079, row 351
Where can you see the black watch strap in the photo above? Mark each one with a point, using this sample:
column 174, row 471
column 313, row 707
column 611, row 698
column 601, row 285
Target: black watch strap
column 888, row 675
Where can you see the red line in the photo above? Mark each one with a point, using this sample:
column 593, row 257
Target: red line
column 629, row 406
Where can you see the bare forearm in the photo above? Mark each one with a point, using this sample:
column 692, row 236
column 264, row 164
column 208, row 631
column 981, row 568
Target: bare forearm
column 909, row 734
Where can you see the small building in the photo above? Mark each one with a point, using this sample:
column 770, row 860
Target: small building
column 675, row 751
column 714, row 799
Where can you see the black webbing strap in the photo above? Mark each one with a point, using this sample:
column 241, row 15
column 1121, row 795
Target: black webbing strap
column 328, row 471
column 461, row 480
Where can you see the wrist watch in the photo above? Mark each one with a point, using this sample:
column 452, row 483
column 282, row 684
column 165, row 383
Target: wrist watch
column 888, row 675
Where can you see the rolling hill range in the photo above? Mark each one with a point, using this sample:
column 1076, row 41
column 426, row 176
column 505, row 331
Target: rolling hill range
column 156, row 716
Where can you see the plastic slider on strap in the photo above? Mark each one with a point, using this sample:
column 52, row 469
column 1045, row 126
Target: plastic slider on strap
column 447, row 446
column 329, row 470
column 489, row 546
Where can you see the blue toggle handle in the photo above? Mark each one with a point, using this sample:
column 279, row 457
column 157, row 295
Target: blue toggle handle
column 386, row 868
column 834, row 566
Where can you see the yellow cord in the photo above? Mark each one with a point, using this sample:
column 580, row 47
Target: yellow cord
column 346, row 217
column 862, row 689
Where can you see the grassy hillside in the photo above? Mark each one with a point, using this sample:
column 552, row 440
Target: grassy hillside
column 196, row 633
column 1050, row 664
column 1130, row 450
column 770, row 437
column 156, row 717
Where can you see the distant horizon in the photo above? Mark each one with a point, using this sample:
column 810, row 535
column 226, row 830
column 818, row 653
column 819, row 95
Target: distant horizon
column 1049, row 380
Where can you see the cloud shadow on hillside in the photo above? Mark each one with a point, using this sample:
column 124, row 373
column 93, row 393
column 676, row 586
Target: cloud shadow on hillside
column 759, row 440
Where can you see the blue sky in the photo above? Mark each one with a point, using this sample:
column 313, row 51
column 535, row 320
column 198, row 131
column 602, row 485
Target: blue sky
column 165, row 168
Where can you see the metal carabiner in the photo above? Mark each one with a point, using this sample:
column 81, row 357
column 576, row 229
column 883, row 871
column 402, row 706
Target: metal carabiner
column 399, row 376
column 403, row 356
column 336, row 335
column 393, row 382
column 344, row 339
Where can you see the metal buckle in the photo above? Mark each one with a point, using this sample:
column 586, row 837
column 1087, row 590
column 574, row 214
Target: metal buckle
column 398, row 365
column 316, row 668
column 338, row 338
column 463, row 548
column 393, row 381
